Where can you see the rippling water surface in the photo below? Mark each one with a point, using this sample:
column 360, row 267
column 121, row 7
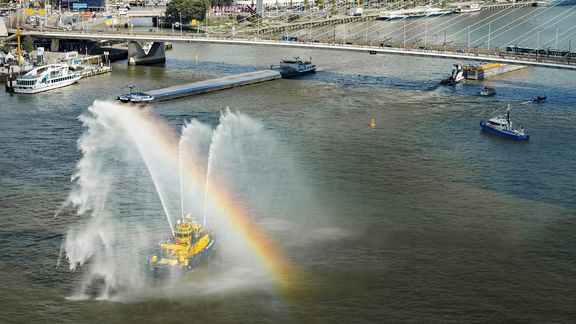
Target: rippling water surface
column 422, row 219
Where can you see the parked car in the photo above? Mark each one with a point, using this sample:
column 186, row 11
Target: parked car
column 289, row 38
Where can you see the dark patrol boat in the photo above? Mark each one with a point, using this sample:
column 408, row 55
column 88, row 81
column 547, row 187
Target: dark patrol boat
column 294, row 67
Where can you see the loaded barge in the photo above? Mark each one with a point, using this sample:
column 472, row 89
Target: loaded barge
column 194, row 88
column 483, row 71
column 287, row 68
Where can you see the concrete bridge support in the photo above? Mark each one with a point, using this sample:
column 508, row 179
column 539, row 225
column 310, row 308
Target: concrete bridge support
column 55, row 45
column 138, row 56
column 260, row 8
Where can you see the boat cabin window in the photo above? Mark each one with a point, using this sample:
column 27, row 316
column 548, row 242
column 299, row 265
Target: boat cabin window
column 496, row 123
column 26, row 82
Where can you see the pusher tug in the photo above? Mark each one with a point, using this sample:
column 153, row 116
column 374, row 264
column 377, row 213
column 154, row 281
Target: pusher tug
column 183, row 251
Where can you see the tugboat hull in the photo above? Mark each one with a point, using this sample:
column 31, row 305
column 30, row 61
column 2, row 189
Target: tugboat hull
column 185, row 249
column 161, row 270
column 290, row 74
column 294, row 67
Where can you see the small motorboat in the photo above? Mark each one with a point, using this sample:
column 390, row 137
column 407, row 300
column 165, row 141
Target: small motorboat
column 538, row 99
column 502, row 127
column 487, row 91
column 457, row 76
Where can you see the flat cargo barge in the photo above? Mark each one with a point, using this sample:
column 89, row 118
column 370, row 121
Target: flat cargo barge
column 483, row 71
column 195, row 88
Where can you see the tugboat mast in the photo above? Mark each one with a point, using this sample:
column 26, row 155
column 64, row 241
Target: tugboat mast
column 508, row 117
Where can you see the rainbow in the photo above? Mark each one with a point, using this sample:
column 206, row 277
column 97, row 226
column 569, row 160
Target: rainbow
column 154, row 132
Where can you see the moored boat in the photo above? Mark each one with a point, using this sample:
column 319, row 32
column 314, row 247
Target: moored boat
column 539, row 99
column 391, row 15
column 294, row 67
column 487, row 91
column 502, row 127
column 418, row 12
column 184, row 250
column 46, row 77
column 473, row 7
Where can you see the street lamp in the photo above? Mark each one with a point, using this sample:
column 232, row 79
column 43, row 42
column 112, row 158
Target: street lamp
column 556, row 46
column 404, row 33
column 489, row 30
column 468, row 39
column 180, row 14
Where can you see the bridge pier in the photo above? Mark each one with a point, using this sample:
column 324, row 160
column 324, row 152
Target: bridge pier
column 260, row 8
column 55, row 45
column 138, row 56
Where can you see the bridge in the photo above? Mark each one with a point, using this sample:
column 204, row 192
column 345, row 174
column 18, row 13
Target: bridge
column 442, row 38
column 359, row 47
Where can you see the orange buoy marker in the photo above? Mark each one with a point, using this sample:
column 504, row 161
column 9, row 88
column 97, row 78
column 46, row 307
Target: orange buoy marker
column 372, row 123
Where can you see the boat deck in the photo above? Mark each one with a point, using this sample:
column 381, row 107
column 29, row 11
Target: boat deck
column 226, row 82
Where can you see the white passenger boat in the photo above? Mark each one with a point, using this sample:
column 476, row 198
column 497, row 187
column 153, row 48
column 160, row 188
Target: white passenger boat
column 472, row 7
column 390, row 15
column 46, row 77
column 418, row 12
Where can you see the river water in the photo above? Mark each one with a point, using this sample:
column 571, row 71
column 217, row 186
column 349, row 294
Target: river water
column 421, row 219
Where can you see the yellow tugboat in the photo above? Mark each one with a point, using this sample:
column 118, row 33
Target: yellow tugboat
column 183, row 251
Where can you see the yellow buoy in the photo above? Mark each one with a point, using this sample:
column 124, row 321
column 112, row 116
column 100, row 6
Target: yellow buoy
column 372, row 123
column 196, row 58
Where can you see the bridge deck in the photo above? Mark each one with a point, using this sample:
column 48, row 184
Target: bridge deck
column 398, row 48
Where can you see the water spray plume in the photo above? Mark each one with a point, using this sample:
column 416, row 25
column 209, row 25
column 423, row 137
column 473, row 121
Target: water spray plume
column 213, row 144
column 181, row 180
column 128, row 151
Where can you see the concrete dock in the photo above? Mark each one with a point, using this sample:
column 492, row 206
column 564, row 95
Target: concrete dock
column 195, row 88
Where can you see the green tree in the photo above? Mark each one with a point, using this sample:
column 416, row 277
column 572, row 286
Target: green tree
column 28, row 44
column 320, row 4
column 187, row 9
column 334, row 7
column 221, row 2
column 6, row 47
column 307, row 4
